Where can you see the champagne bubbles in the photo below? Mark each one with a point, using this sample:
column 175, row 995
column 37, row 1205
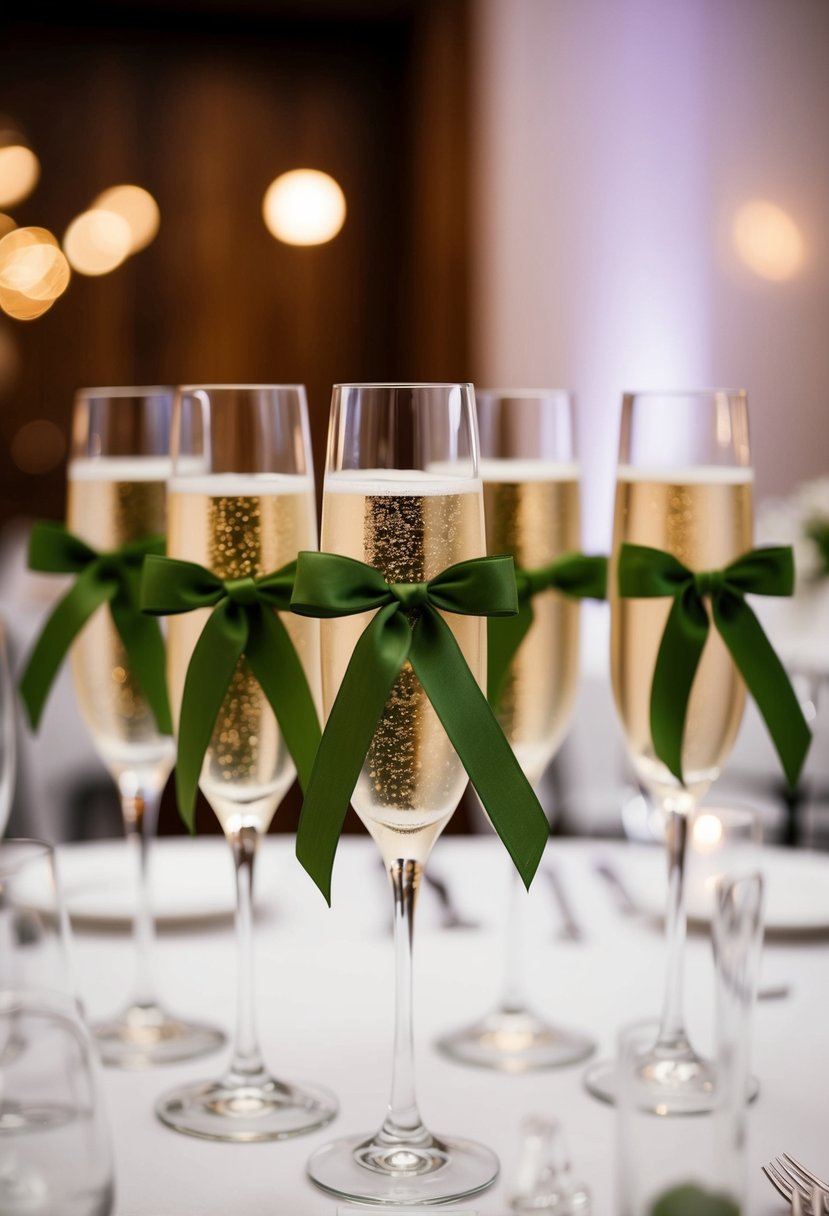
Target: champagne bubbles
column 304, row 207
column 33, row 272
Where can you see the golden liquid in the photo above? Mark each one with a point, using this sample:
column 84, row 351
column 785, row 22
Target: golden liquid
column 235, row 527
column 412, row 778
column 704, row 518
column 111, row 501
column 536, row 521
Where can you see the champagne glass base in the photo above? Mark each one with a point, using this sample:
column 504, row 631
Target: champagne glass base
column 434, row 1170
column 262, row 1109
column 679, row 1085
column 146, row 1035
column 515, row 1041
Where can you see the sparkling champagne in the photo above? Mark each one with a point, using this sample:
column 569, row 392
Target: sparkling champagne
column 532, row 511
column 411, row 526
column 112, row 500
column 238, row 525
column 703, row 516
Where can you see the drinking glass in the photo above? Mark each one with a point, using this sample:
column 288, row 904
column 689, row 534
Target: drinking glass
column 402, row 493
column 690, row 1160
column 241, row 503
column 117, row 472
column 684, row 485
column 55, row 1157
column 8, row 758
column 531, row 506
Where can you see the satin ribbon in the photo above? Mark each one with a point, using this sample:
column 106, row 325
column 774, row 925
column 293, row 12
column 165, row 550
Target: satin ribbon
column 646, row 572
column 112, row 578
column 573, row 574
column 408, row 627
column 244, row 621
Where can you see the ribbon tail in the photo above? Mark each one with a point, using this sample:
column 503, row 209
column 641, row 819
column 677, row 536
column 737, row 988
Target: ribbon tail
column 144, row 645
column 474, row 732
column 766, row 680
column 504, row 637
column 212, row 664
column 87, row 594
column 276, row 665
column 677, row 660
column 375, row 663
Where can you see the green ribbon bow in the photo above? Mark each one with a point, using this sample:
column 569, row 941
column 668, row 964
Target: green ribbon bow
column 243, row 621
column 409, row 627
column 646, row 572
column 113, row 578
column 573, row 574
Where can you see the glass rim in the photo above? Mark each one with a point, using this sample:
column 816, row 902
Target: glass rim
column 685, row 392
column 31, row 848
column 120, row 391
column 526, row 394
column 404, row 384
column 236, row 388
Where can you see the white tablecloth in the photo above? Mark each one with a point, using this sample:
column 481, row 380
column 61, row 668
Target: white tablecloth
column 325, row 1007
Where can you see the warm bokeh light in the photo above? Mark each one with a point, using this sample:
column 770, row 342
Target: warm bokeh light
column 97, row 242
column 19, row 170
column 304, row 207
column 7, row 225
column 33, row 272
column 38, row 446
column 768, row 240
column 137, row 207
column 707, row 832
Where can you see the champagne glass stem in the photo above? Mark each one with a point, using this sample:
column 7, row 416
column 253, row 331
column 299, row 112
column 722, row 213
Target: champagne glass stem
column 513, row 999
column 140, row 810
column 403, row 1122
column 672, row 1035
column 247, row 1064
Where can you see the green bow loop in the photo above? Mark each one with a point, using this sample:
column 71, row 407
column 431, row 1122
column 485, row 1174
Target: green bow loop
column 646, row 573
column 102, row 578
column 575, row 575
column 409, row 627
column 243, row 621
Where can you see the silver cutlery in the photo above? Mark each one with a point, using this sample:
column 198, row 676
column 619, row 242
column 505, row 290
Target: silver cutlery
column 451, row 916
column 624, row 901
column 570, row 929
column 798, row 1186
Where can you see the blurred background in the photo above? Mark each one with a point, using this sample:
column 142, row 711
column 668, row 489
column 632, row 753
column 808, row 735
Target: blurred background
column 601, row 195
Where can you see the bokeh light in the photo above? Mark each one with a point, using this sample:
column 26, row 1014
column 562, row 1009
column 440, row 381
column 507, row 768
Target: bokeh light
column 97, row 242
column 707, row 832
column 304, row 207
column 19, row 169
column 137, row 207
column 38, row 446
column 768, row 241
column 7, row 225
column 33, row 272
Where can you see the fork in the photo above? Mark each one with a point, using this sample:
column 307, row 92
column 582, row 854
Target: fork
column 797, row 1184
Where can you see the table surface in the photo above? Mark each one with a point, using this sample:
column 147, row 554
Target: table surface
column 325, row 1011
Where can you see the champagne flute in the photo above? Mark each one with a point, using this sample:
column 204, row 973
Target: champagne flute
column 8, row 757
column 117, row 476
column 685, row 486
column 241, row 502
column 531, row 505
column 402, row 493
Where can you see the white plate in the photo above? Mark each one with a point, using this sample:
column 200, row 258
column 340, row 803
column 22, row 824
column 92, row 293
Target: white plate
column 797, row 884
column 191, row 880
